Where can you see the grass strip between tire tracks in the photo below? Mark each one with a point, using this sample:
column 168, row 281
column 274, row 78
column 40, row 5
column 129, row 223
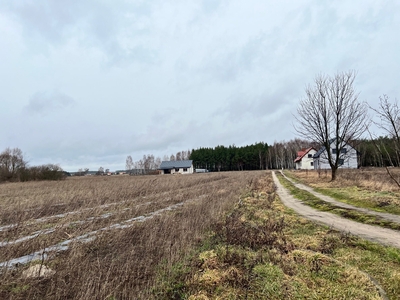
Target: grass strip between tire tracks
column 352, row 192
column 315, row 202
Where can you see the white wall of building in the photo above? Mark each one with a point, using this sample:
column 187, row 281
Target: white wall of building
column 350, row 159
column 180, row 171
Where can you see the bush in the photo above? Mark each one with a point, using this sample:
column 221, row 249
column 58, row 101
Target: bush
column 44, row 172
column 13, row 167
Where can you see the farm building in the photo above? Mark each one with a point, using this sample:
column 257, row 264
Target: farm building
column 304, row 159
column 348, row 157
column 177, row 167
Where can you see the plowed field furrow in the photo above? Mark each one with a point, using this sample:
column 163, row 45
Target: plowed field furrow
column 44, row 253
column 27, row 244
column 25, row 237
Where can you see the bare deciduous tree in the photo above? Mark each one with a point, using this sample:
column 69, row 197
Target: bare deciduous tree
column 178, row 156
column 100, row 171
column 157, row 162
column 11, row 161
column 331, row 112
column 129, row 163
column 389, row 115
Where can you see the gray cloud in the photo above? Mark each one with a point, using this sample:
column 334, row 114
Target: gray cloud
column 160, row 76
column 44, row 102
column 116, row 29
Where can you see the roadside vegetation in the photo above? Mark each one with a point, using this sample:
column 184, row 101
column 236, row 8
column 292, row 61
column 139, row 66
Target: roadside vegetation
column 229, row 238
column 368, row 188
column 352, row 214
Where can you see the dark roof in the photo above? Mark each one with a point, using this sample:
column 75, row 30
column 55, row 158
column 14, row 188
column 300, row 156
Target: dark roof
column 172, row 164
column 316, row 155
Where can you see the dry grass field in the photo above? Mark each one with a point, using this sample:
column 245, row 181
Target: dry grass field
column 121, row 260
column 201, row 236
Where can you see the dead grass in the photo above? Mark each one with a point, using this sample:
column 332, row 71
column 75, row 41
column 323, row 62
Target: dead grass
column 375, row 179
column 119, row 263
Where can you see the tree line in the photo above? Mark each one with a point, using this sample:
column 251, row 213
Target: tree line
column 261, row 156
column 231, row 158
column 13, row 167
column 150, row 162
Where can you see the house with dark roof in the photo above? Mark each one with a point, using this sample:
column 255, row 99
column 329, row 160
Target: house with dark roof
column 304, row 159
column 348, row 157
column 177, row 167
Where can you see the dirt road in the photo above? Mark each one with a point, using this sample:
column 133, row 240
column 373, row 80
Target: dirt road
column 386, row 216
column 373, row 233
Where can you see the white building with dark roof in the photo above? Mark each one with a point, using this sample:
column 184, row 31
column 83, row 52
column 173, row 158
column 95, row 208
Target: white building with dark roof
column 177, row 167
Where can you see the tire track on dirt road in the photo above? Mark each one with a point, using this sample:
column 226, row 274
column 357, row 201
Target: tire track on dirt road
column 373, row 233
column 386, row 216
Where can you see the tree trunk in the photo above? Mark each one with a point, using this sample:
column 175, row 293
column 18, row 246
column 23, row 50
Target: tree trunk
column 333, row 174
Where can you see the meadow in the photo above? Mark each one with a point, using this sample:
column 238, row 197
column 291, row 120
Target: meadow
column 135, row 226
column 202, row 236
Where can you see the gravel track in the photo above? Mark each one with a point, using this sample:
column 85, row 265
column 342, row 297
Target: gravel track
column 373, row 233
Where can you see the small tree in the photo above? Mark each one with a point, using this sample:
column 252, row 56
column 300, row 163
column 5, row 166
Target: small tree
column 331, row 113
column 100, row 171
column 178, row 156
column 129, row 163
column 389, row 116
column 11, row 163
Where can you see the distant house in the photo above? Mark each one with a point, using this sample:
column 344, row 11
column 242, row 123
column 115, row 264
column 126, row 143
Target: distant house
column 176, row 167
column 304, row 159
column 121, row 172
column 348, row 157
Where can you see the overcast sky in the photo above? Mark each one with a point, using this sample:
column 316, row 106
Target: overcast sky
column 86, row 83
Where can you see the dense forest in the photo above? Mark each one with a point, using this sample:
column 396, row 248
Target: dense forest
column 231, row 158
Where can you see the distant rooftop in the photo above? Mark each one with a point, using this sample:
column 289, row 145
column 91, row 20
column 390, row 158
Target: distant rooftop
column 175, row 164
